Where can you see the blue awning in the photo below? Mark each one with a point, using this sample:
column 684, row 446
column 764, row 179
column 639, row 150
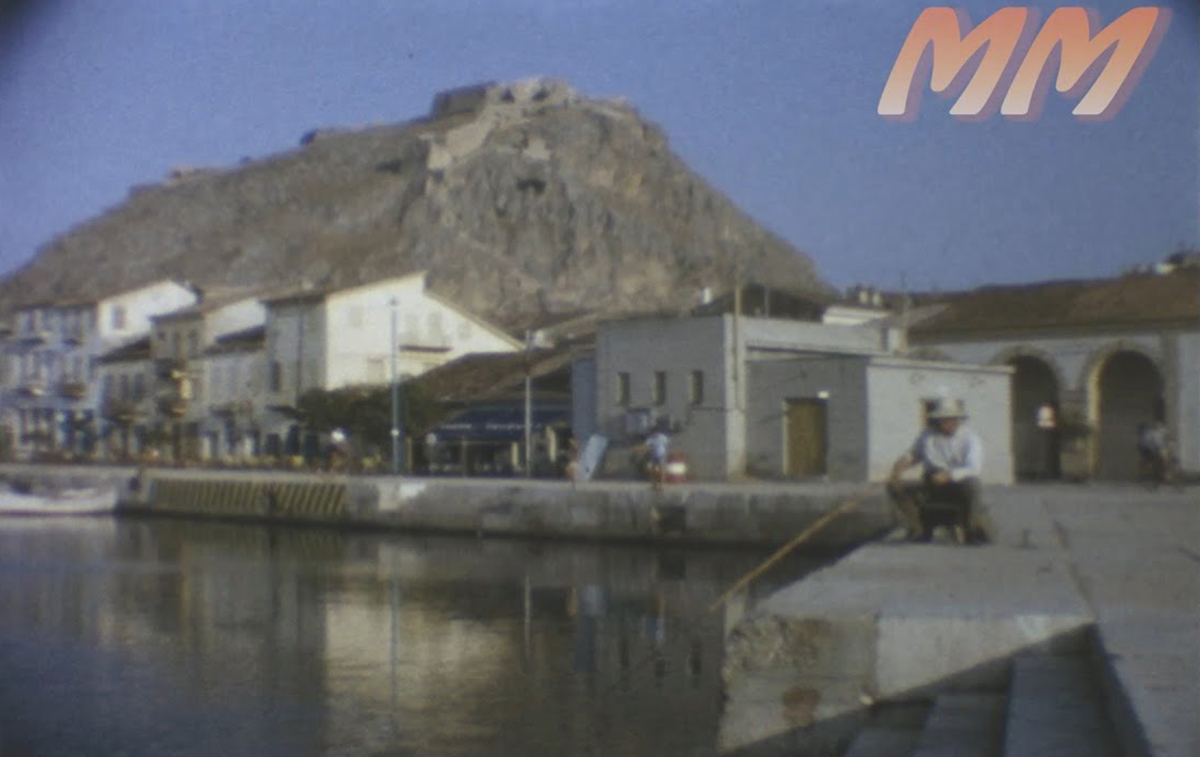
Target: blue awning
column 499, row 424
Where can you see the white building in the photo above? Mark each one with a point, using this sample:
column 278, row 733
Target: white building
column 234, row 383
column 1093, row 360
column 51, row 398
column 778, row 398
column 126, row 411
column 330, row 339
column 180, row 341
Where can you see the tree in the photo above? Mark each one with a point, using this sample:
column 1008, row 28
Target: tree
column 365, row 412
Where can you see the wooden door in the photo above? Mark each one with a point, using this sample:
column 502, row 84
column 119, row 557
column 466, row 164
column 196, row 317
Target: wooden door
column 805, row 437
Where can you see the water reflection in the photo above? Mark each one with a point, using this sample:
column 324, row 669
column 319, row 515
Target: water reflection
column 170, row 637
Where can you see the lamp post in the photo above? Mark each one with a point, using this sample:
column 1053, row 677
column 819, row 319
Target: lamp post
column 393, row 348
column 528, row 411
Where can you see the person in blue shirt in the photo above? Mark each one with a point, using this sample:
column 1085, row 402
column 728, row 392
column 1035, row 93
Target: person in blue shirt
column 951, row 457
column 657, row 446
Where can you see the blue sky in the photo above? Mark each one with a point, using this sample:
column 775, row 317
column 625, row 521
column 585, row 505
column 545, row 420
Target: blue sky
column 773, row 101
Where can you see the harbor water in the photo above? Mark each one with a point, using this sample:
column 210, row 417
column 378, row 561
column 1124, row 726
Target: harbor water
column 176, row 637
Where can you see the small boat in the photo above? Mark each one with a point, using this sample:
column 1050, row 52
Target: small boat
column 64, row 502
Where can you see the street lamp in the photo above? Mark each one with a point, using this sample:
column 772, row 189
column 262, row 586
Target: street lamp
column 528, row 410
column 393, row 349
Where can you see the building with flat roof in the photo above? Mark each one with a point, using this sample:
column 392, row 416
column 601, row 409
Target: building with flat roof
column 777, row 398
column 1092, row 361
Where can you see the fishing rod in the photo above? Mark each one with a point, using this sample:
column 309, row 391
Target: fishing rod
column 843, row 507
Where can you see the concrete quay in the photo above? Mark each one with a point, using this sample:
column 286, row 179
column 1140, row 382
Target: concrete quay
column 699, row 513
column 1077, row 631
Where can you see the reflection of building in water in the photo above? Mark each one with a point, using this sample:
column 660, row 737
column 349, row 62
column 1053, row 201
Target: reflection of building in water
column 431, row 645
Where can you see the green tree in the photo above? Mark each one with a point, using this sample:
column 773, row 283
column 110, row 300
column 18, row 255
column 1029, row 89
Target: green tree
column 365, row 412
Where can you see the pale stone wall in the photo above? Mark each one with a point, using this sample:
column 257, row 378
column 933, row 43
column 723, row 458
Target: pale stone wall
column 676, row 347
column 841, row 382
column 1077, row 360
column 896, row 389
column 138, row 306
column 873, row 410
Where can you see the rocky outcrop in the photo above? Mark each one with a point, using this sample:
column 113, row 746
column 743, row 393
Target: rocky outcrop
column 518, row 199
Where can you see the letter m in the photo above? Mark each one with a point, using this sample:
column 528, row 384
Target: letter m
column 940, row 28
column 1134, row 36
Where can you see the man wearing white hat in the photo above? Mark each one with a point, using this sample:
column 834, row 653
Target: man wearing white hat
column 952, row 458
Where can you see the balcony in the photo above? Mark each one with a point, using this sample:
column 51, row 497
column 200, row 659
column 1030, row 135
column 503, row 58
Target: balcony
column 229, row 408
column 172, row 406
column 34, row 387
column 72, row 390
column 171, row 368
column 34, row 335
column 120, row 411
column 74, row 336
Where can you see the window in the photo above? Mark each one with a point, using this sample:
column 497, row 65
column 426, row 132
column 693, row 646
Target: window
column 124, row 384
column 375, row 374
column 433, row 323
column 193, row 344
column 118, row 317
column 108, row 387
column 77, row 368
column 658, row 391
column 276, row 378
column 696, row 388
column 176, row 345
column 139, row 387
column 623, row 389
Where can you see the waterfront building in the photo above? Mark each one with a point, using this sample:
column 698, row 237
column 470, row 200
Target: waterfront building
column 50, row 398
column 126, row 411
column 359, row 336
column 234, row 370
column 1092, row 361
column 778, row 398
column 183, row 412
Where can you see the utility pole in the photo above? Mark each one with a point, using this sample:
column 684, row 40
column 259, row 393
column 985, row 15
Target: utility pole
column 528, row 411
column 393, row 349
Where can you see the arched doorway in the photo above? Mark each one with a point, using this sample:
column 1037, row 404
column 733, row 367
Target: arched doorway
column 1035, row 418
column 1129, row 392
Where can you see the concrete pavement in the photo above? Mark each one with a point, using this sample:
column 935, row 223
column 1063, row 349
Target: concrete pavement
column 1109, row 575
column 1135, row 556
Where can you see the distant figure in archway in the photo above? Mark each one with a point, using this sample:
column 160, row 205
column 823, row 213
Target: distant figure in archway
column 1130, row 390
column 1154, row 452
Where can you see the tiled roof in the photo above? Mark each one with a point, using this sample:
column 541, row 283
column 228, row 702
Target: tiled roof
column 138, row 349
column 212, row 301
column 246, row 340
column 490, row 374
column 1135, row 300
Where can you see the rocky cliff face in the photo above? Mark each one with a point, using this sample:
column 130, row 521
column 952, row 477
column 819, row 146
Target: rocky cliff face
column 518, row 199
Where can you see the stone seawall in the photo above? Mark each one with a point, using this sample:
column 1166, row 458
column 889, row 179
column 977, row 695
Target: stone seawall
column 730, row 514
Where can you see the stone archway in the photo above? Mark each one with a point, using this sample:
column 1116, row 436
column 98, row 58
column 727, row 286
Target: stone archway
column 1035, row 411
column 1129, row 391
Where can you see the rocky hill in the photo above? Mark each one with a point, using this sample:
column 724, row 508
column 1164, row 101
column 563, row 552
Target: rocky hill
column 519, row 199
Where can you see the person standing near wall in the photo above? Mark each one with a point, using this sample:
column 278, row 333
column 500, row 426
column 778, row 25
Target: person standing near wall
column 657, row 446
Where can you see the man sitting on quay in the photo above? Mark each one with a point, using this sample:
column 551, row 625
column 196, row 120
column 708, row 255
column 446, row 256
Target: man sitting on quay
column 952, row 459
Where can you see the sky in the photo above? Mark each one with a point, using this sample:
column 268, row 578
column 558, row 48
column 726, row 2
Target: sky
column 774, row 102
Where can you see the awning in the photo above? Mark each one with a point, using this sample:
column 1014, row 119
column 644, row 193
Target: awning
column 499, row 424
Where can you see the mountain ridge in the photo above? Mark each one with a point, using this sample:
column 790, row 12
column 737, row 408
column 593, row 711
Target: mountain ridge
column 517, row 199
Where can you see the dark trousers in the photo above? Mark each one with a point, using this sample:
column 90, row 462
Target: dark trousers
column 921, row 507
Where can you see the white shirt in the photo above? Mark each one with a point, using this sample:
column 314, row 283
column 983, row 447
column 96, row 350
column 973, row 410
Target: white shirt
column 961, row 454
